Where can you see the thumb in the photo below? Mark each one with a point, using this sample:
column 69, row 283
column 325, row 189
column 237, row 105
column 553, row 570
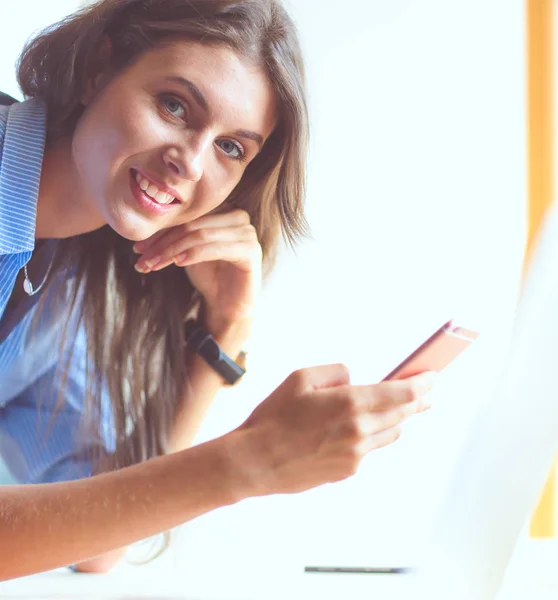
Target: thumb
column 326, row 376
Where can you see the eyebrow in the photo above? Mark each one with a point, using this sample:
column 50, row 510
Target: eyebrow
column 256, row 137
column 202, row 102
column 193, row 89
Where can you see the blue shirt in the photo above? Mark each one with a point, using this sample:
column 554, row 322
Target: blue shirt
column 35, row 448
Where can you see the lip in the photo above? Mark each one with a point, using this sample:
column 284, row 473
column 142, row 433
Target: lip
column 147, row 203
column 160, row 184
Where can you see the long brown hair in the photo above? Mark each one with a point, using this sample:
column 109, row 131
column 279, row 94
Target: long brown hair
column 135, row 341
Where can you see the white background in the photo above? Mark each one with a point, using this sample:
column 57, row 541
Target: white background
column 416, row 201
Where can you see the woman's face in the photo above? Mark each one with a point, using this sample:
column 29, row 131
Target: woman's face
column 183, row 122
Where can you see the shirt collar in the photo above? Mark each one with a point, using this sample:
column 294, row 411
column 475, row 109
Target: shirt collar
column 21, row 159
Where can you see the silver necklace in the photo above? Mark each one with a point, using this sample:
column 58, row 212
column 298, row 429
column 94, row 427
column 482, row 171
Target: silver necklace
column 28, row 286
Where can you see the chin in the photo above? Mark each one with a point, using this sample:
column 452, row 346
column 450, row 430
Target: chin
column 133, row 229
column 127, row 221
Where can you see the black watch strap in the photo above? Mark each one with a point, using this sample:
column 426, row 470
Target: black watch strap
column 204, row 344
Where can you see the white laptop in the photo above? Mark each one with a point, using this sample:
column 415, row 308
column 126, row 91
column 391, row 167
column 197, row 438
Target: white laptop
column 508, row 454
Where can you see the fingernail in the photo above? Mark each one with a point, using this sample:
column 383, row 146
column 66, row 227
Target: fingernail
column 152, row 261
column 180, row 258
column 140, row 268
column 136, row 248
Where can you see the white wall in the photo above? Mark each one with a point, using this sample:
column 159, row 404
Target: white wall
column 19, row 21
column 416, row 202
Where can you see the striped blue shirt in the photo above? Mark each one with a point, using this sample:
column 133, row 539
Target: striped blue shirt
column 35, row 448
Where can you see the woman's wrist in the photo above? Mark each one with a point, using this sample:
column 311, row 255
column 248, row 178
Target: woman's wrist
column 231, row 335
column 249, row 471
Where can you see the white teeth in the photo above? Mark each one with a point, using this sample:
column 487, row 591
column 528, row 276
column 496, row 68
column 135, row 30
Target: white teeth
column 142, row 182
column 153, row 191
column 163, row 198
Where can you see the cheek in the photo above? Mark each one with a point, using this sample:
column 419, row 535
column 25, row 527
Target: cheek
column 218, row 190
column 226, row 178
column 95, row 144
column 105, row 137
column 209, row 196
column 136, row 129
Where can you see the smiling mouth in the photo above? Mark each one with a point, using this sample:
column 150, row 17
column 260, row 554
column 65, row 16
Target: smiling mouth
column 151, row 190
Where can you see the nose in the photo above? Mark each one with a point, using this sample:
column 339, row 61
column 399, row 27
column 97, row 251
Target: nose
column 187, row 159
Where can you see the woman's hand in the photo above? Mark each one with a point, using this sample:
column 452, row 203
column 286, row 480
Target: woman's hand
column 315, row 428
column 222, row 257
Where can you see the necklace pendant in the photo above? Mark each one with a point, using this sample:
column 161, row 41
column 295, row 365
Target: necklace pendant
column 28, row 287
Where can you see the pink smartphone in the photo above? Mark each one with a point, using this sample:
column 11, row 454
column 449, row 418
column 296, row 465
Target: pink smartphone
column 436, row 352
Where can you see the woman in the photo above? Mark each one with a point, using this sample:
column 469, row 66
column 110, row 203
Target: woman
column 144, row 181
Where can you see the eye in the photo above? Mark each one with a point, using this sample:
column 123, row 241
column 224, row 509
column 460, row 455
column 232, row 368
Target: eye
column 232, row 149
column 175, row 107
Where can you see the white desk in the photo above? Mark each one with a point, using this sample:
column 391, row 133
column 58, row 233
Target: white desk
column 533, row 574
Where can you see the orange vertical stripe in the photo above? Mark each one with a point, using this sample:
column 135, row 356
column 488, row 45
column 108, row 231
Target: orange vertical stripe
column 540, row 140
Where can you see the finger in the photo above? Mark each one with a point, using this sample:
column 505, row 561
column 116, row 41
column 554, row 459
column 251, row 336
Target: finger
column 229, row 218
column 243, row 254
column 322, row 376
column 372, row 423
column 426, row 379
column 225, row 219
column 390, row 393
column 176, row 244
column 421, row 384
column 141, row 246
column 168, row 249
column 153, row 245
column 367, row 424
column 403, row 391
column 379, row 440
column 158, row 244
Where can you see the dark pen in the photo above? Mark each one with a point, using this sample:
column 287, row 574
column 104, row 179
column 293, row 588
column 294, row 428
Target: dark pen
column 375, row 570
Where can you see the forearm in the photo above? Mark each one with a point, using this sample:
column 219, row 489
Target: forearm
column 47, row 526
column 202, row 386
column 203, row 382
column 103, row 563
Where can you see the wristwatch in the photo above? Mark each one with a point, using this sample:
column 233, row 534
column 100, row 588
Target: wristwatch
column 204, row 344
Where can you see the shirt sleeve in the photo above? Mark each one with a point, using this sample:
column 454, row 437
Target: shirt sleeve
column 42, row 445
